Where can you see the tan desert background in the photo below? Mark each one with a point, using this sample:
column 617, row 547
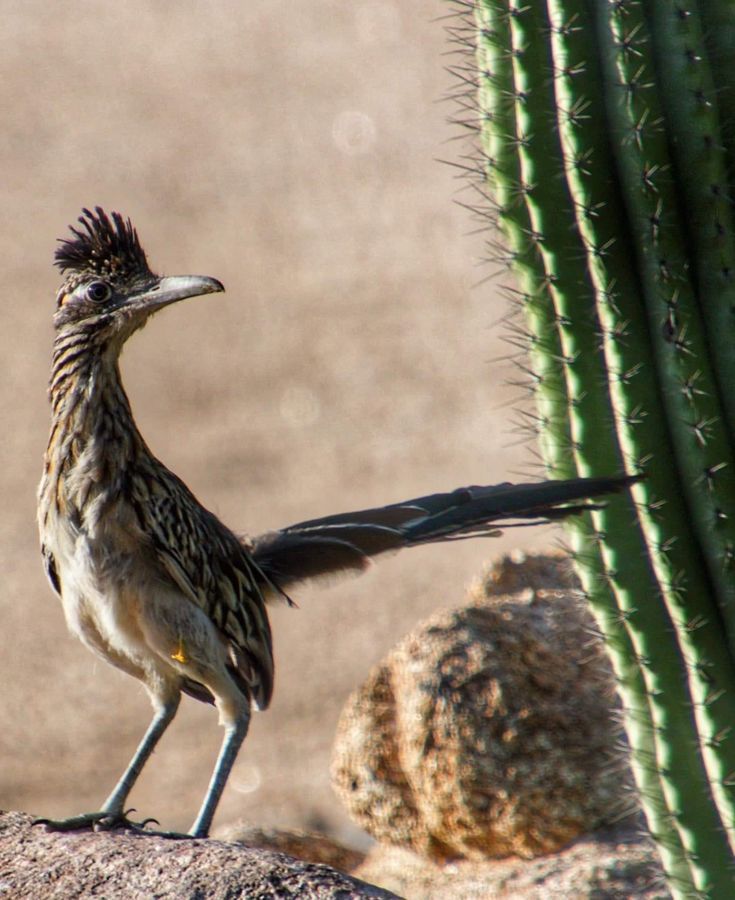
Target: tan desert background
column 291, row 150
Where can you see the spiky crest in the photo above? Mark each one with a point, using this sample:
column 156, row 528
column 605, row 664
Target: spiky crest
column 102, row 248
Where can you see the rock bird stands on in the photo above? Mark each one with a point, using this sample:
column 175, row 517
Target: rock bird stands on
column 152, row 581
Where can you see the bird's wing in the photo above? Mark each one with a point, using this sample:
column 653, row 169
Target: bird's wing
column 214, row 569
column 346, row 542
column 49, row 564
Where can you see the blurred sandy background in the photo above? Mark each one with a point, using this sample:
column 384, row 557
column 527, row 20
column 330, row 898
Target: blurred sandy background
column 290, row 150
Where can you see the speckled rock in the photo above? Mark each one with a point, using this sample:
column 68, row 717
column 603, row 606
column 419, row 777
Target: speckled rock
column 47, row 866
column 489, row 731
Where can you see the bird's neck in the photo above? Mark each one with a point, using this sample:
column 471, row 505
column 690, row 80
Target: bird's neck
column 94, row 438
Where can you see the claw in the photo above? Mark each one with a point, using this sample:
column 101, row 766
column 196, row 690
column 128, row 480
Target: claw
column 107, row 821
column 97, row 821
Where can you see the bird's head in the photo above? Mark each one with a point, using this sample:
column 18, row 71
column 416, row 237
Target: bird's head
column 108, row 285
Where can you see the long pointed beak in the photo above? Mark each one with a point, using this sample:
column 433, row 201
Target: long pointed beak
column 171, row 288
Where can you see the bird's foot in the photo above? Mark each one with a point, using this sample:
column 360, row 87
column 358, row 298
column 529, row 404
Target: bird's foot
column 99, row 821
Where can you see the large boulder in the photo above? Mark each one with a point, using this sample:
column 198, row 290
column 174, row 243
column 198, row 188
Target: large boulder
column 490, row 730
column 48, row 866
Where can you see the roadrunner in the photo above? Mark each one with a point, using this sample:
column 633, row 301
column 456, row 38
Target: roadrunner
column 152, row 581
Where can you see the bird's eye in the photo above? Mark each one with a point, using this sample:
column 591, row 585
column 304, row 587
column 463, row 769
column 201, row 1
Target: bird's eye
column 98, row 291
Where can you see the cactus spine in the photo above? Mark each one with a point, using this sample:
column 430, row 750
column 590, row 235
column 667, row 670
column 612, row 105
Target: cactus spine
column 607, row 130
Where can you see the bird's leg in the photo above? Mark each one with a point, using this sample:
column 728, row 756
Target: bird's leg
column 161, row 720
column 112, row 814
column 235, row 732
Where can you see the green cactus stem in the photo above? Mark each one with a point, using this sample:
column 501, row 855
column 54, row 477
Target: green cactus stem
column 606, row 136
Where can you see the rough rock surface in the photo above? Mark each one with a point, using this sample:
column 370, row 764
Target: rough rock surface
column 489, row 730
column 612, row 866
column 34, row 863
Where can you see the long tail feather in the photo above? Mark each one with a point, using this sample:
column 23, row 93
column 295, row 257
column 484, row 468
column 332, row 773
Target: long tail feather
column 346, row 541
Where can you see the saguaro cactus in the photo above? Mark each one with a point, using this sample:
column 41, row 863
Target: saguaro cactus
column 607, row 130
